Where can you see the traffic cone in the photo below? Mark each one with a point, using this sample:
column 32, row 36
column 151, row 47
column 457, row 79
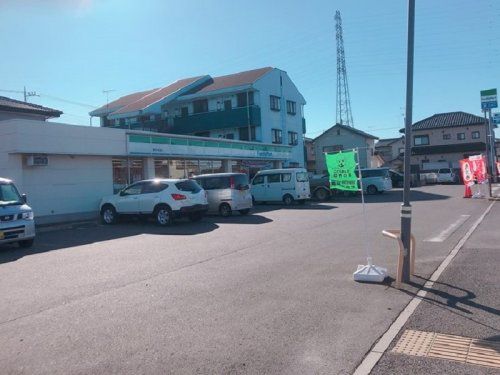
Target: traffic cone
column 468, row 192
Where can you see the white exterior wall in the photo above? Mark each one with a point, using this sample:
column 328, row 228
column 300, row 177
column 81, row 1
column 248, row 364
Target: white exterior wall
column 267, row 85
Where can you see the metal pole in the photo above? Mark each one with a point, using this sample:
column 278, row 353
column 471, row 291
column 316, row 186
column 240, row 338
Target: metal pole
column 406, row 206
column 492, row 148
column 487, row 146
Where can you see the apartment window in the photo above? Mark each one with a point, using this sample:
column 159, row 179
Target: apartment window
column 227, row 105
column 241, row 99
column 475, row 135
column 202, row 134
column 229, row 136
column 276, row 136
column 293, row 138
column 401, row 151
column 421, row 140
column 243, row 133
column 184, row 111
column 200, row 106
column 446, row 136
column 275, row 102
column 460, row 136
column 291, row 107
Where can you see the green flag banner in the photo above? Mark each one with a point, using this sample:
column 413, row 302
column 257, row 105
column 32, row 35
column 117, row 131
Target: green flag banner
column 342, row 171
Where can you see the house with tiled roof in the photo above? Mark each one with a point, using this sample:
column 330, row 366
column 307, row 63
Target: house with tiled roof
column 341, row 137
column 17, row 109
column 445, row 138
column 391, row 150
column 261, row 105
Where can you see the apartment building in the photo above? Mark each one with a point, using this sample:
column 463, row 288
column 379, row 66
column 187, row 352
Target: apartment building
column 447, row 138
column 261, row 105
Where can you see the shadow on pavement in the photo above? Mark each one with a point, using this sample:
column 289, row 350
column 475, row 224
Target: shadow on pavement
column 87, row 233
column 391, row 196
column 456, row 303
column 266, row 207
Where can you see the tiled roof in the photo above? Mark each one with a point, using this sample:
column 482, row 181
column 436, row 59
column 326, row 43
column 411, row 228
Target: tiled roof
column 349, row 128
column 13, row 105
column 123, row 101
column 237, row 79
column 156, row 95
column 449, row 119
column 386, row 141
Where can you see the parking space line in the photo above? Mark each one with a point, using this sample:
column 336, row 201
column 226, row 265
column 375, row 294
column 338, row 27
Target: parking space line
column 449, row 231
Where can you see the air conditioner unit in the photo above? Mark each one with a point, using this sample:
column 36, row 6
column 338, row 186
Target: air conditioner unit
column 37, row 160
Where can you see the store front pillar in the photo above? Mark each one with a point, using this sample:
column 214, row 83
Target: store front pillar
column 277, row 164
column 149, row 168
column 226, row 166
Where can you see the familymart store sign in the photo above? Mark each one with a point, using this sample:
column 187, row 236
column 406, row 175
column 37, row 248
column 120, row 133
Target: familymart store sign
column 193, row 147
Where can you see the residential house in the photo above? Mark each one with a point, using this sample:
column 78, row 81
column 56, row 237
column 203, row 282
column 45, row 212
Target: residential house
column 260, row 105
column 446, row 138
column 16, row 109
column 341, row 137
column 310, row 162
column 391, row 150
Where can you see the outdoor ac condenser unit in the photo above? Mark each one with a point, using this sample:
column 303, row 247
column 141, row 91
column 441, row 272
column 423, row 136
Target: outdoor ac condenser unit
column 37, row 160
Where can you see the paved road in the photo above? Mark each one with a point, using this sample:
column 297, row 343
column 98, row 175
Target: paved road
column 268, row 293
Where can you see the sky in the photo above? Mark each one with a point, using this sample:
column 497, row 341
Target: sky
column 70, row 51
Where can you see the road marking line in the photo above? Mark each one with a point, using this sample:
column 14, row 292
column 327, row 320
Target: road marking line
column 450, row 230
column 374, row 355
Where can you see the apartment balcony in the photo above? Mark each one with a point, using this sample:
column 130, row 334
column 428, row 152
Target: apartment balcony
column 234, row 118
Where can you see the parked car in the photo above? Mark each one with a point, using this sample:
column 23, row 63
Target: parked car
column 281, row 185
column 16, row 217
column 320, row 187
column 164, row 199
column 397, row 178
column 226, row 192
column 446, row 175
column 375, row 180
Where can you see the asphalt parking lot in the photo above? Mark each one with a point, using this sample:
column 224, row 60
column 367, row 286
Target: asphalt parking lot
column 267, row 293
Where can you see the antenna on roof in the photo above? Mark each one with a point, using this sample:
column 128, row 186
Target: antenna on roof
column 107, row 96
column 27, row 94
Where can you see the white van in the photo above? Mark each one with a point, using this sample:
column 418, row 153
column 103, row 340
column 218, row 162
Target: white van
column 281, row 185
column 226, row 192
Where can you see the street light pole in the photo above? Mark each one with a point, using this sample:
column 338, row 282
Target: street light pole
column 406, row 206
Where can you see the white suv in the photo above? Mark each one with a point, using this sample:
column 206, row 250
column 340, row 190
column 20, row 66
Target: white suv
column 446, row 175
column 165, row 199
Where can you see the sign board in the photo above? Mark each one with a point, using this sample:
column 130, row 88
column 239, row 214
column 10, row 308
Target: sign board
column 489, row 99
column 496, row 118
column 342, row 171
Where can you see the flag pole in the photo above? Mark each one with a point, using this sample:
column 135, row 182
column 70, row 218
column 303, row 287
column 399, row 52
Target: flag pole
column 365, row 224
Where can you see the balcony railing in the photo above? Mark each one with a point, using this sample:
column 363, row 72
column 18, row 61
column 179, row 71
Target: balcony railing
column 234, row 118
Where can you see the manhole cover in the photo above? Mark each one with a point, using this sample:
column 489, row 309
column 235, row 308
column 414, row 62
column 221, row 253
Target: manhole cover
column 453, row 348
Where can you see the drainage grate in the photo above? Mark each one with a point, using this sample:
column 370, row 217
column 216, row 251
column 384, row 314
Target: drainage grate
column 453, row 348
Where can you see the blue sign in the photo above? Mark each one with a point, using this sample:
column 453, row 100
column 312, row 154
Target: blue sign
column 496, row 118
column 489, row 105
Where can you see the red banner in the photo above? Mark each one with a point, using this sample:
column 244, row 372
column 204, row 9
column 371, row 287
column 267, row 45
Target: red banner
column 478, row 166
column 467, row 174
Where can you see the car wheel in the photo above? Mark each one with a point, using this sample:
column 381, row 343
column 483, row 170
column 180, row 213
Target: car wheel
column 108, row 215
column 400, row 184
column 225, row 210
column 372, row 189
column 288, row 200
column 246, row 211
column 26, row 243
column 163, row 215
column 321, row 194
column 196, row 216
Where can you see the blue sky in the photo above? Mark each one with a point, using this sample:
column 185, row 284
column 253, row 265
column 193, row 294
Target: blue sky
column 72, row 50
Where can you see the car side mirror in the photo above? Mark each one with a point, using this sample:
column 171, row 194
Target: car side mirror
column 122, row 193
column 24, row 198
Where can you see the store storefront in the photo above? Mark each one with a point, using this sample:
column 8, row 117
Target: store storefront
column 81, row 164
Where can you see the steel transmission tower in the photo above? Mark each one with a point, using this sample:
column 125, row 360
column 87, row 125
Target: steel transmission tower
column 344, row 114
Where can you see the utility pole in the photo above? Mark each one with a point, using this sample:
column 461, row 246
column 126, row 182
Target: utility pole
column 406, row 206
column 27, row 94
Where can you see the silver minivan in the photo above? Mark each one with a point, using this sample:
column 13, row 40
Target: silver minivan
column 281, row 185
column 226, row 192
column 16, row 217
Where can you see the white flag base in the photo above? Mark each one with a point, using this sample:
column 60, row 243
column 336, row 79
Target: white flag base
column 370, row 273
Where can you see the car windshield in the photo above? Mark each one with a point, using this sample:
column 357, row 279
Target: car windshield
column 302, row 177
column 188, row 185
column 9, row 195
